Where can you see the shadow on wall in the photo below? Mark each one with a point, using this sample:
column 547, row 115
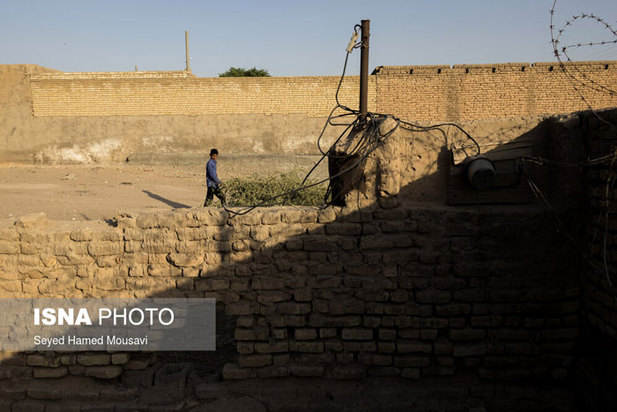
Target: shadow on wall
column 388, row 289
column 423, row 166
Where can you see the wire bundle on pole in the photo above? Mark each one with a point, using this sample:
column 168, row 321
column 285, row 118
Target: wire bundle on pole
column 370, row 139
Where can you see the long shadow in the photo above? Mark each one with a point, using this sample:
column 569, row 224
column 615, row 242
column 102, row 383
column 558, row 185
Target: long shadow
column 443, row 291
column 168, row 202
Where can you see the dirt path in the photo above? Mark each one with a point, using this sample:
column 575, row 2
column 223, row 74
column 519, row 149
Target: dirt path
column 92, row 193
column 80, row 193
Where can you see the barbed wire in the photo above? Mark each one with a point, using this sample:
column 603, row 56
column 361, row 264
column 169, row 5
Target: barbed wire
column 581, row 81
column 561, row 52
column 578, row 78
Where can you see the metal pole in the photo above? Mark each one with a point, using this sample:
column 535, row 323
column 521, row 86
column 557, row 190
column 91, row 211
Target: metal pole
column 366, row 28
column 186, row 41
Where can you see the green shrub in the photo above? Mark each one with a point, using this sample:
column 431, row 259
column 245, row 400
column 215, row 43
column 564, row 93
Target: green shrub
column 255, row 189
column 242, row 72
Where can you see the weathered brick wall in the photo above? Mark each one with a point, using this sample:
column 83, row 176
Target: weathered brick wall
column 85, row 139
column 126, row 94
column 470, row 92
column 390, row 290
column 420, row 93
column 324, row 293
column 48, row 117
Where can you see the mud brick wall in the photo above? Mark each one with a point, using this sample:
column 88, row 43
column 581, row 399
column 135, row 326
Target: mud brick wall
column 600, row 282
column 601, row 285
column 49, row 116
column 419, row 93
column 472, row 92
column 339, row 293
column 108, row 117
column 151, row 93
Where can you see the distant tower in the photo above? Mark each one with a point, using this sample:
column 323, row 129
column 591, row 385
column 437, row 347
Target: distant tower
column 186, row 41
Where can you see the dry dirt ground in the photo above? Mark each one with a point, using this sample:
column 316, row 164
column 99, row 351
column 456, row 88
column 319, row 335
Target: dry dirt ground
column 96, row 192
column 93, row 193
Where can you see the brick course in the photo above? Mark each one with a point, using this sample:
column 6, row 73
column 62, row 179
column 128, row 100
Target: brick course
column 118, row 94
column 420, row 93
column 472, row 92
column 340, row 320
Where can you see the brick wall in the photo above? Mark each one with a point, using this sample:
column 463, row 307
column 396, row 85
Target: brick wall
column 601, row 301
column 390, row 290
column 421, row 93
column 45, row 114
column 470, row 92
column 113, row 94
column 47, row 139
column 332, row 293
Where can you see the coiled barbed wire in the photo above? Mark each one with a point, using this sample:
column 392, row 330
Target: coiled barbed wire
column 578, row 78
column 580, row 81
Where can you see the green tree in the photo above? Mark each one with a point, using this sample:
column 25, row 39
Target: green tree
column 242, row 72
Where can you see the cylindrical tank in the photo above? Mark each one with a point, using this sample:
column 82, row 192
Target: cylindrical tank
column 481, row 173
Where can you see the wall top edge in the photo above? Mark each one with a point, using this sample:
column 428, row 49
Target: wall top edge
column 38, row 72
column 489, row 66
column 27, row 68
column 121, row 77
column 112, row 75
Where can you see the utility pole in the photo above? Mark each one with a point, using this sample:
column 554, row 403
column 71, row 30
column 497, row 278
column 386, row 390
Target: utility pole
column 366, row 28
column 186, row 41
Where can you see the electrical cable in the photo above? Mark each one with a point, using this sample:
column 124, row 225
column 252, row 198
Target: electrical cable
column 325, row 154
column 368, row 139
column 366, row 132
column 298, row 189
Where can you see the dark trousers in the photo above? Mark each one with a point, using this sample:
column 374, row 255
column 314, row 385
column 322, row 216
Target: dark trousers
column 214, row 191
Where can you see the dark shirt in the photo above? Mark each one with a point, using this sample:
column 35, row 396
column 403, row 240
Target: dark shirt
column 212, row 179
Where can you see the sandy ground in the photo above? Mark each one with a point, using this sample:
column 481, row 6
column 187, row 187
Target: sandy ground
column 91, row 192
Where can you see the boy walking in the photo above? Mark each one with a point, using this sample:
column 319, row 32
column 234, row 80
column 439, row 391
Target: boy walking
column 212, row 180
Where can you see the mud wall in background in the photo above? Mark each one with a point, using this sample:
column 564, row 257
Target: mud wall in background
column 470, row 92
column 118, row 133
column 48, row 116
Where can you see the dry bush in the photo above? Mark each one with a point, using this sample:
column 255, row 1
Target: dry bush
column 256, row 189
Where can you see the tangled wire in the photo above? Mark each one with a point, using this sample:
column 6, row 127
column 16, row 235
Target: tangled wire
column 366, row 133
column 363, row 135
